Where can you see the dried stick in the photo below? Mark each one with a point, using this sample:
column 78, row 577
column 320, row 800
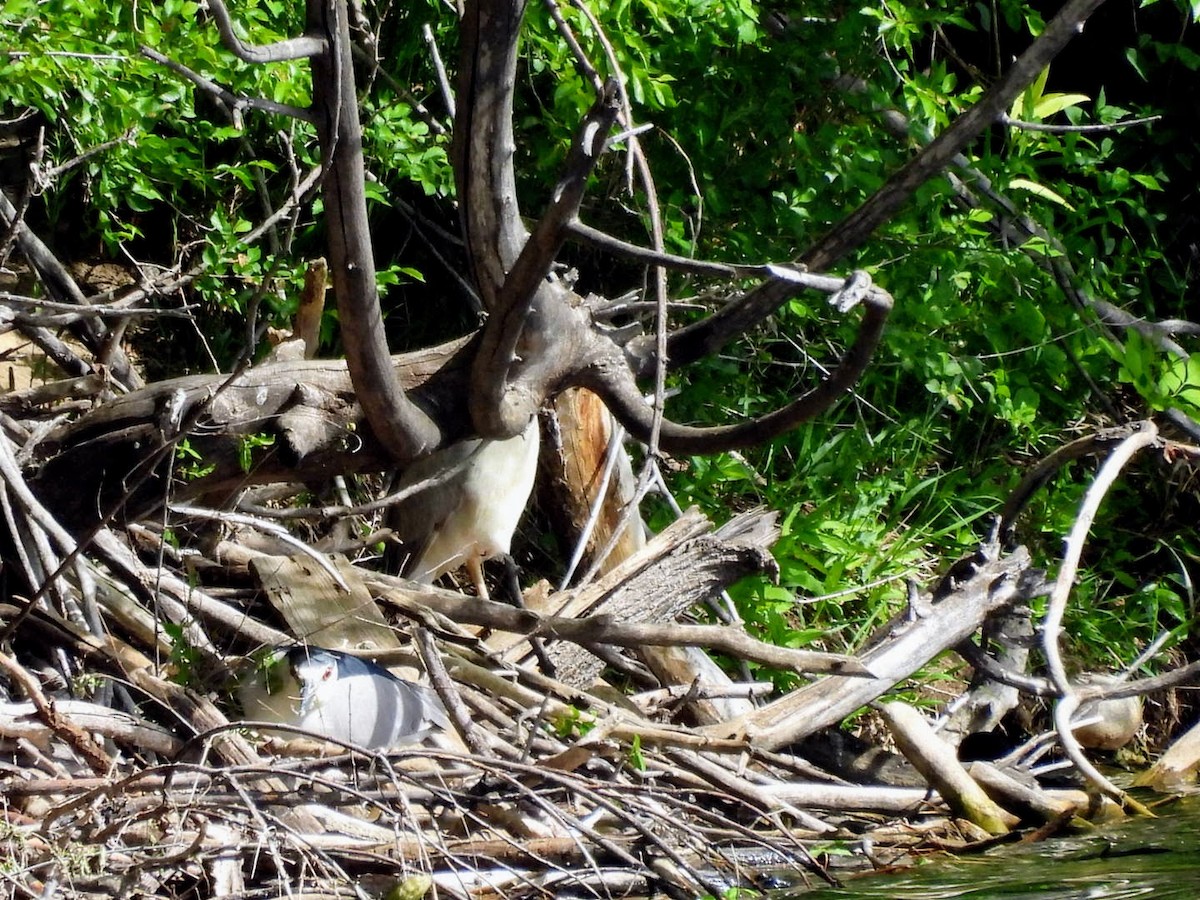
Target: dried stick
column 276, row 531
column 99, row 761
column 1068, row 701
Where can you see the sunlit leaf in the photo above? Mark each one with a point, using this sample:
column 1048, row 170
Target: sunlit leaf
column 1040, row 190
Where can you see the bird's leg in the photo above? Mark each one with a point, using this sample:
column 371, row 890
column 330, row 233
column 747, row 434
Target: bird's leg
column 512, row 582
column 475, row 570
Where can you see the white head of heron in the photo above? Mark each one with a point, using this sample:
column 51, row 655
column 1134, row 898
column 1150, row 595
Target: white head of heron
column 477, row 491
column 336, row 695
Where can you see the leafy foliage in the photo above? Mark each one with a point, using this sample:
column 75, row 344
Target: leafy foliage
column 986, row 363
column 768, row 131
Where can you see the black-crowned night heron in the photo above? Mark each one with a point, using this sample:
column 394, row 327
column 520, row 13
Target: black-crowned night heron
column 335, row 695
column 469, row 511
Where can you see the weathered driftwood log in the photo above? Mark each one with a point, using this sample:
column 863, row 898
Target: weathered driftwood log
column 113, row 455
column 20, row 720
column 935, row 759
column 1009, row 635
column 930, row 629
column 1177, row 768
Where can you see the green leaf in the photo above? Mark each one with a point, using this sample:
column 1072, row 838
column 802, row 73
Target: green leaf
column 1040, row 190
column 1052, row 103
column 1181, row 381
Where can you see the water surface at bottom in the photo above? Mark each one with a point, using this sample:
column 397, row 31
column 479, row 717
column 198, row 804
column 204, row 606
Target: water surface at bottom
column 1157, row 858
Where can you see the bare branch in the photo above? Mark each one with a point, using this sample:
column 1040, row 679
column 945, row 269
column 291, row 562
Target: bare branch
column 427, row 116
column 537, row 256
column 611, row 379
column 604, row 629
column 498, row 350
column 294, row 48
column 483, row 142
column 1045, row 469
column 235, row 103
column 938, row 154
column 46, row 176
column 405, row 430
column 439, row 67
column 1075, row 129
column 79, row 740
column 618, row 247
column 277, row 531
column 1051, row 625
column 696, row 341
column 69, row 312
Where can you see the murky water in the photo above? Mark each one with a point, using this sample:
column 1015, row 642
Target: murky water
column 1158, row 858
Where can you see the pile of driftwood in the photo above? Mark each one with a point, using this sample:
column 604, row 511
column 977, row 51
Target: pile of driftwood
column 137, row 779
column 136, row 590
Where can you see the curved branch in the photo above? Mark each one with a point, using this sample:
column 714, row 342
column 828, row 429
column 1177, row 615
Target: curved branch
column 281, row 51
column 1047, row 467
column 938, row 154
column 611, row 378
column 707, row 337
column 494, row 366
column 1068, row 700
column 404, row 429
column 483, row 147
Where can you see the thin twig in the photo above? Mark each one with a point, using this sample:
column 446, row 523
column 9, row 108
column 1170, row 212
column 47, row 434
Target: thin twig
column 440, row 68
column 1005, row 119
column 234, row 102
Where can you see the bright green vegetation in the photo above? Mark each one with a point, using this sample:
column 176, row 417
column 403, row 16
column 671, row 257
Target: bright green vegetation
column 769, row 132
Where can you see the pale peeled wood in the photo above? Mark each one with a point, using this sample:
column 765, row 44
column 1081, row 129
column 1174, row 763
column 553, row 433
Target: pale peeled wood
column 573, row 474
column 903, row 650
column 936, row 761
column 307, row 325
column 576, row 476
column 1177, row 768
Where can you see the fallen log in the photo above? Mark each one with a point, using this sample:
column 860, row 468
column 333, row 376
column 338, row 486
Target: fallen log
column 100, row 461
column 926, row 629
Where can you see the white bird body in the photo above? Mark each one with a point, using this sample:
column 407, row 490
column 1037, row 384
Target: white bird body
column 470, row 512
column 335, row 695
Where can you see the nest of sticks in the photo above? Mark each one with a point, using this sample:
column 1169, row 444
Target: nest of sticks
column 591, row 754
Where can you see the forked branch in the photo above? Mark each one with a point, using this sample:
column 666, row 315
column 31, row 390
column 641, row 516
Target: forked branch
column 497, row 359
